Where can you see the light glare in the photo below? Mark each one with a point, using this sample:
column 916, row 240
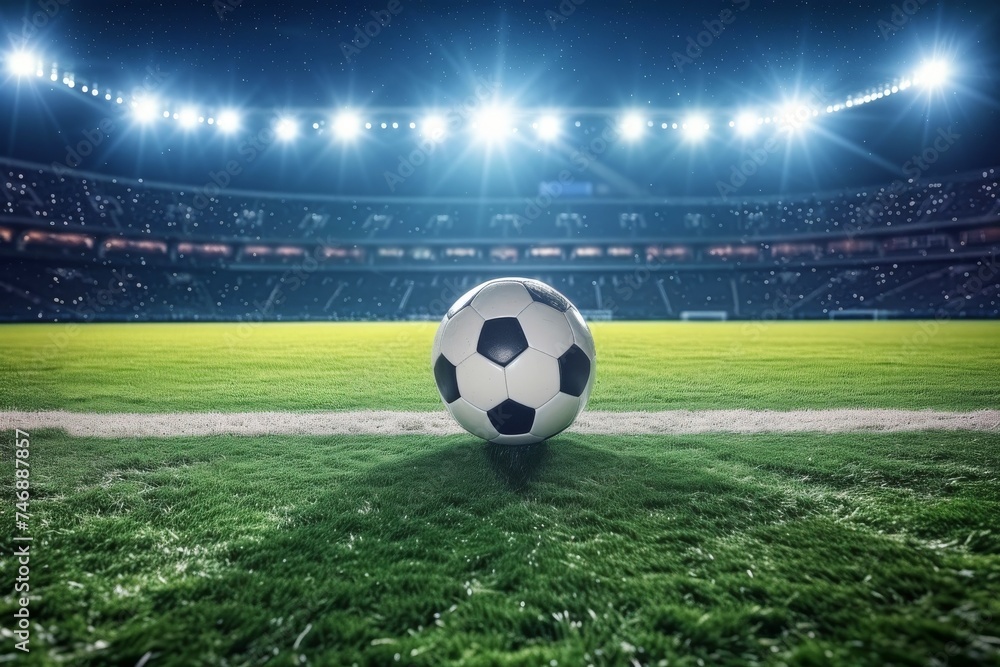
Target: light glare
column 548, row 128
column 746, row 123
column 22, row 63
column 346, row 125
column 695, row 127
column 187, row 117
column 795, row 115
column 632, row 126
column 433, row 128
column 933, row 73
column 228, row 121
column 492, row 124
column 145, row 109
column 286, row 129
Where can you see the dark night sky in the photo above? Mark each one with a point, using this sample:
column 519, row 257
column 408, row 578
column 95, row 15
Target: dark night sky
column 289, row 55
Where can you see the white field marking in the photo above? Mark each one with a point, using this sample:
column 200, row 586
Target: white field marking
column 384, row 422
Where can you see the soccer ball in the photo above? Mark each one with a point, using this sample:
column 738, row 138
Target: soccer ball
column 514, row 361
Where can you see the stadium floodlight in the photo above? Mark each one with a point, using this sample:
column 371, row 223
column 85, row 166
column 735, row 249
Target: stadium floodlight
column 145, row 109
column 346, row 125
column 286, row 129
column 632, row 126
column 795, row 115
column 22, row 63
column 932, row 73
column 695, row 127
column 228, row 121
column 492, row 124
column 433, row 127
column 747, row 123
column 188, row 117
column 547, row 128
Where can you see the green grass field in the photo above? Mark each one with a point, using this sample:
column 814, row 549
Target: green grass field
column 647, row 366
column 794, row 549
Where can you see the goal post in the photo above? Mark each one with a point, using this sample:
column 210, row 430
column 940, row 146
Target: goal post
column 704, row 315
column 860, row 314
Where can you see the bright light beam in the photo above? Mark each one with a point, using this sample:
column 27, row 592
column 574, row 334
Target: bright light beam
column 795, row 116
column 145, row 109
column 433, row 127
column 632, row 126
column 747, row 123
column 22, row 63
column 932, row 73
column 286, row 129
column 346, row 125
column 492, row 124
column 547, row 128
column 188, row 117
column 228, row 121
column 695, row 127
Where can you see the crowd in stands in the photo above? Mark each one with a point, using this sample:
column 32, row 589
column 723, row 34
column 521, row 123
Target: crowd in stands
column 81, row 248
column 43, row 292
column 68, row 201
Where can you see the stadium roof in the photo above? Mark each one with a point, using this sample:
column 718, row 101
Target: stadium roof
column 687, row 92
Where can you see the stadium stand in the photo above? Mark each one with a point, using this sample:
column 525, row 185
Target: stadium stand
column 88, row 247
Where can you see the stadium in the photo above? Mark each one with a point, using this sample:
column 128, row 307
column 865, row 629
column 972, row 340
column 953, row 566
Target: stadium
column 233, row 236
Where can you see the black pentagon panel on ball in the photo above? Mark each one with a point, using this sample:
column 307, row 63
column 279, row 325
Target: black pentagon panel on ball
column 574, row 371
column 501, row 340
column 511, row 418
column 545, row 294
column 447, row 380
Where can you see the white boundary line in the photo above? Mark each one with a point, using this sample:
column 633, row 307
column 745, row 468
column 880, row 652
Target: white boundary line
column 388, row 423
